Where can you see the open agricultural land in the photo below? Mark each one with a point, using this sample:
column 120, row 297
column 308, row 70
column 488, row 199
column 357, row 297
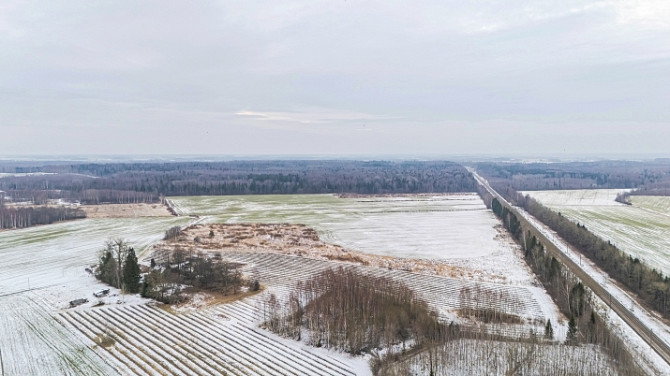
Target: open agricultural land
column 640, row 229
column 43, row 269
column 126, row 335
column 454, row 227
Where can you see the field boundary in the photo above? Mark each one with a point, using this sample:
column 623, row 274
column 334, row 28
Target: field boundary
column 624, row 313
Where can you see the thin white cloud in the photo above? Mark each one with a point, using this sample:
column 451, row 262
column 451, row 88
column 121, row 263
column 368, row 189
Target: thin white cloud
column 649, row 14
column 313, row 116
column 386, row 76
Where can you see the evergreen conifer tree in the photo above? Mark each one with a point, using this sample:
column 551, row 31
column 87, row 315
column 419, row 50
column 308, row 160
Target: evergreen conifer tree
column 572, row 330
column 548, row 330
column 131, row 273
column 107, row 269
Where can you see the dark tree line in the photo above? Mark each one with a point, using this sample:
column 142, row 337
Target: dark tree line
column 650, row 285
column 654, row 190
column 20, row 217
column 147, row 182
column 578, row 175
column 569, row 294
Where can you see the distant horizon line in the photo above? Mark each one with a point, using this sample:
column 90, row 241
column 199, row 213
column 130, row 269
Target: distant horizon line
column 177, row 157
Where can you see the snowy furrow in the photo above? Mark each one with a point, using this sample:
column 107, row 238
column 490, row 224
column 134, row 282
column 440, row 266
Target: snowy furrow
column 128, row 343
column 148, row 361
column 290, row 358
column 175, row 338
column 123, row 365
column 218, row 344
column 188, row 336
column 241, row 345
column 145, row 335
column 150, row 336
column 246, row 314
column 338, row 368
column 125, row 348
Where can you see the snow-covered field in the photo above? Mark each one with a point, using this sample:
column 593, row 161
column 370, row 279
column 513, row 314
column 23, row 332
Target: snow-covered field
column 455, row 227
column 33, row 343
column 641, row 229
column 152, row 341
column 648, row 358
column 52, row 255
column 43, row 269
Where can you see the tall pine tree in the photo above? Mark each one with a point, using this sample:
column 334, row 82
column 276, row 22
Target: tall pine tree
column 131, row 273
column 548, row 330
column 107, row 269
column 572, row 331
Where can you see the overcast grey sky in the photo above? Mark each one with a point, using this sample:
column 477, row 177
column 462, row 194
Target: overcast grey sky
column 334, row 77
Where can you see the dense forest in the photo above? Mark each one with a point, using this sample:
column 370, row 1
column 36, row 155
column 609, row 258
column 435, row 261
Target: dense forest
column 648, row 175
column 148, row 182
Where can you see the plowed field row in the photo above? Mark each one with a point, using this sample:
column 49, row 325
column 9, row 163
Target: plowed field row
column 441, row 293
column 152, row 341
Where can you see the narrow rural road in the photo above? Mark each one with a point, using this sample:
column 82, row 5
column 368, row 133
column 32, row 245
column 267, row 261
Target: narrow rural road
column 554, row 247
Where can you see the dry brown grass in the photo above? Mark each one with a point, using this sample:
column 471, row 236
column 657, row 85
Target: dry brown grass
column 125, row 210
column 293, row 239
column 104, row 340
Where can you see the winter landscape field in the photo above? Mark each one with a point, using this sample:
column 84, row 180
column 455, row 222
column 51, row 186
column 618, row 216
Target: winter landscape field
column 457, row 228
column 43, row 269
column 45, row 266
column 641, row 229
column 308, row 188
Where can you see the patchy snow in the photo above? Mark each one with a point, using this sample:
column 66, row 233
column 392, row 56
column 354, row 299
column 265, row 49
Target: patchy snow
column 640, row 229
column 197, row 301
column 22, row 174
column 635, row 343
column 43, row 270
column 483, row 357
column 578, row 197
column 456, row 228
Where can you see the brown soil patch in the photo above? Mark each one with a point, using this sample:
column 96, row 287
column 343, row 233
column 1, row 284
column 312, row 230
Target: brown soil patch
column 104, row 340
column 125, row 210
column 198, row 299
column 292, row 239
column 404, row 195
